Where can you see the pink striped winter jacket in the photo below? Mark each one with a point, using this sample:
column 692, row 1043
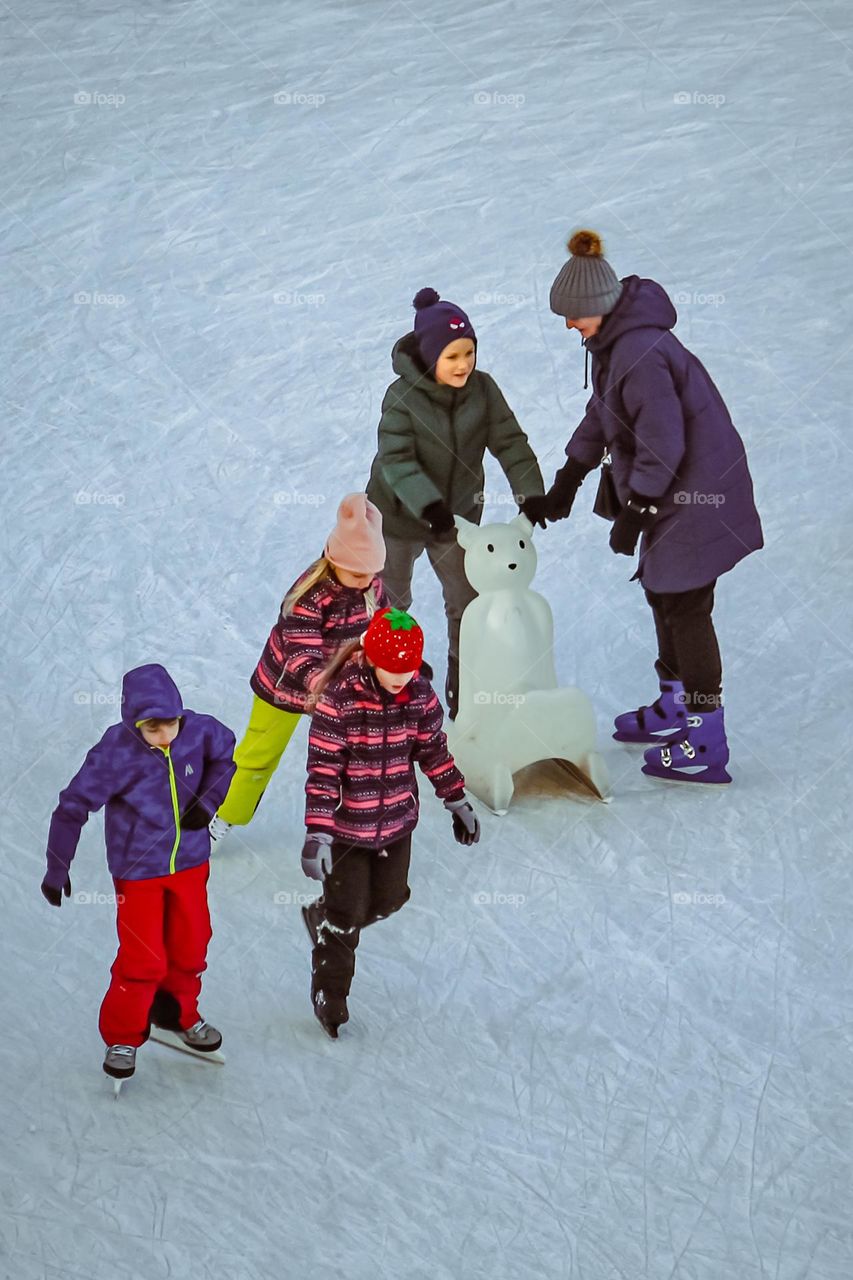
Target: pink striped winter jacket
column 300, row 644
column 362, row 747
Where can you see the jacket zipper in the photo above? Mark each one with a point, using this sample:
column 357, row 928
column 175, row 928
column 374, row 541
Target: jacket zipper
column 454, row 445
column 176, row 810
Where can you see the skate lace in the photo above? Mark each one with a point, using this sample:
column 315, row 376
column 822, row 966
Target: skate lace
column 122, row 1051
column 198, row 1028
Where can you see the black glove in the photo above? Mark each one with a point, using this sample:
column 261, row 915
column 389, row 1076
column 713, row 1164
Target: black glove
column 196, row 817
column 637, row 515
column 466, row 824
column 561, row 495
column 439, row 517
column 536, row 509
column 54, row 895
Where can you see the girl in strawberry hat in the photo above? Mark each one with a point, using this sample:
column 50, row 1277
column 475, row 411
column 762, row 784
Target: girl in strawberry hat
column 329, row 605
column 375, row 715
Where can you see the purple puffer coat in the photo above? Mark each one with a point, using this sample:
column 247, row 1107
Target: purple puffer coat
column 668, row 431
column 145, row 789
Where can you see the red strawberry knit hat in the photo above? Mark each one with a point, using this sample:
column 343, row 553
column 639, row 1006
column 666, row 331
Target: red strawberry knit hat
column 394, row 641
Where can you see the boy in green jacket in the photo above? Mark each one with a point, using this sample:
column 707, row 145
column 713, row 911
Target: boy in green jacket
column 439, row 417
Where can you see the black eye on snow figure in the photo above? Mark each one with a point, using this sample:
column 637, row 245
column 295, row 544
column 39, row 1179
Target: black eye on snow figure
column 521, row 544
column 490, row 547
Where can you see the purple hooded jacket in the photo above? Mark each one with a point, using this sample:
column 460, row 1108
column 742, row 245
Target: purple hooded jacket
column 668, row 431
column 144, row 789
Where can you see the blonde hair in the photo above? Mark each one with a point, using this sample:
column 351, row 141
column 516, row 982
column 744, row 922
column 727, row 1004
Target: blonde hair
column 331, row 669
column 315, row 573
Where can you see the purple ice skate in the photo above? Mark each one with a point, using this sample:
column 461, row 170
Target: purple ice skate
column 700, row 756
column 664, row 721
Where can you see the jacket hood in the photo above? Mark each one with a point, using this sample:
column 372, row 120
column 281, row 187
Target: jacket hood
column 407, row 364
column 149, row 693
column 643, row 304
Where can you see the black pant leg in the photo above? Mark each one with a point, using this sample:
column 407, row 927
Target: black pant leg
column 345, row 906
column 688, row 618
column 389, row 880
column 667, row 660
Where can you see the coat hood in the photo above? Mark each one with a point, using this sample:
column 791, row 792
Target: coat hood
column 643, row 304
column 148, row 693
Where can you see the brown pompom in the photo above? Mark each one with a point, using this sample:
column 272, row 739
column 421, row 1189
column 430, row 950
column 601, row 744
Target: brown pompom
column 586, row 244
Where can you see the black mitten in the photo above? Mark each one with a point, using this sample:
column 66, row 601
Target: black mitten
column 439, row 517
column 637, row 515
column 561, row 495
column 536, row 508
column 54, row 895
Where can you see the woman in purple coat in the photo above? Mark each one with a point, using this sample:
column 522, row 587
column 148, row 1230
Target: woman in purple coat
column 682, row 489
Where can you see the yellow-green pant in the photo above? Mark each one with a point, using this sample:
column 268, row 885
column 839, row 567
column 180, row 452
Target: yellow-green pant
column 268, row 732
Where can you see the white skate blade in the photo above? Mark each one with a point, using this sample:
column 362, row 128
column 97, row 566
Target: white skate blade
column 173, row 1041
column 117, row 1088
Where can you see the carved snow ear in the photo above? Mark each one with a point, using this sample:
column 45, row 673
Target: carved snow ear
column 466, row 532
column 521, row 522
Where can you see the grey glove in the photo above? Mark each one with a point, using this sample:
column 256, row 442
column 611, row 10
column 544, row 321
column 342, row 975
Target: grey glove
column 317, row 855
column 466, row 824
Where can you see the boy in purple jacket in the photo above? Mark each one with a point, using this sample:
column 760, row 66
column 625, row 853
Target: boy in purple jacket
column 161, row 774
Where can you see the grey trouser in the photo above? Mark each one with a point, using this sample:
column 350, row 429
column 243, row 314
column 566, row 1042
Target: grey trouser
column 447, row 558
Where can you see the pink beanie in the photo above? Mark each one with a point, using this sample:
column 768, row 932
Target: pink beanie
column 356, row 542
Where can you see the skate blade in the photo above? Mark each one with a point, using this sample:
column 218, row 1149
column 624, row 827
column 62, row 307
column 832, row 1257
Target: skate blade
column 715, row 777
column 117, row 1088
column 174, row 1041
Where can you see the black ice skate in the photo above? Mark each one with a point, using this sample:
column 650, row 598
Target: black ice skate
column 331, row 1012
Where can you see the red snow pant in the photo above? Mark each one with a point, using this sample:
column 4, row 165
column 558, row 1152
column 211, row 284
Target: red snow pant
column 163, row 929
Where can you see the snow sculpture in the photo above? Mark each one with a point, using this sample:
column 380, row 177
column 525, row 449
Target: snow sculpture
column 511, row 712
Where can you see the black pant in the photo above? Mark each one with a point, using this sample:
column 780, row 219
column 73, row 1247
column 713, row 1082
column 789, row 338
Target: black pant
column 687, row 644
column 364, row 885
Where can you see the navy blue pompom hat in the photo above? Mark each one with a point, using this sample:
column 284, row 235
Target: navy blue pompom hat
column 437, row 324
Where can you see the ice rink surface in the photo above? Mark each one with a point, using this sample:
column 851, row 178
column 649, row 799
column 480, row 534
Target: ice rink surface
column 609, row 1042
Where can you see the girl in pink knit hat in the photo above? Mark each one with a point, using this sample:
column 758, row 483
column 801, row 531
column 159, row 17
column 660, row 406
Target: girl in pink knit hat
column 329, row 605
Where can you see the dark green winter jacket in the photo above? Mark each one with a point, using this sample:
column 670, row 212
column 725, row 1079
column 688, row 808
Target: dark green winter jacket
column 432, row 439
